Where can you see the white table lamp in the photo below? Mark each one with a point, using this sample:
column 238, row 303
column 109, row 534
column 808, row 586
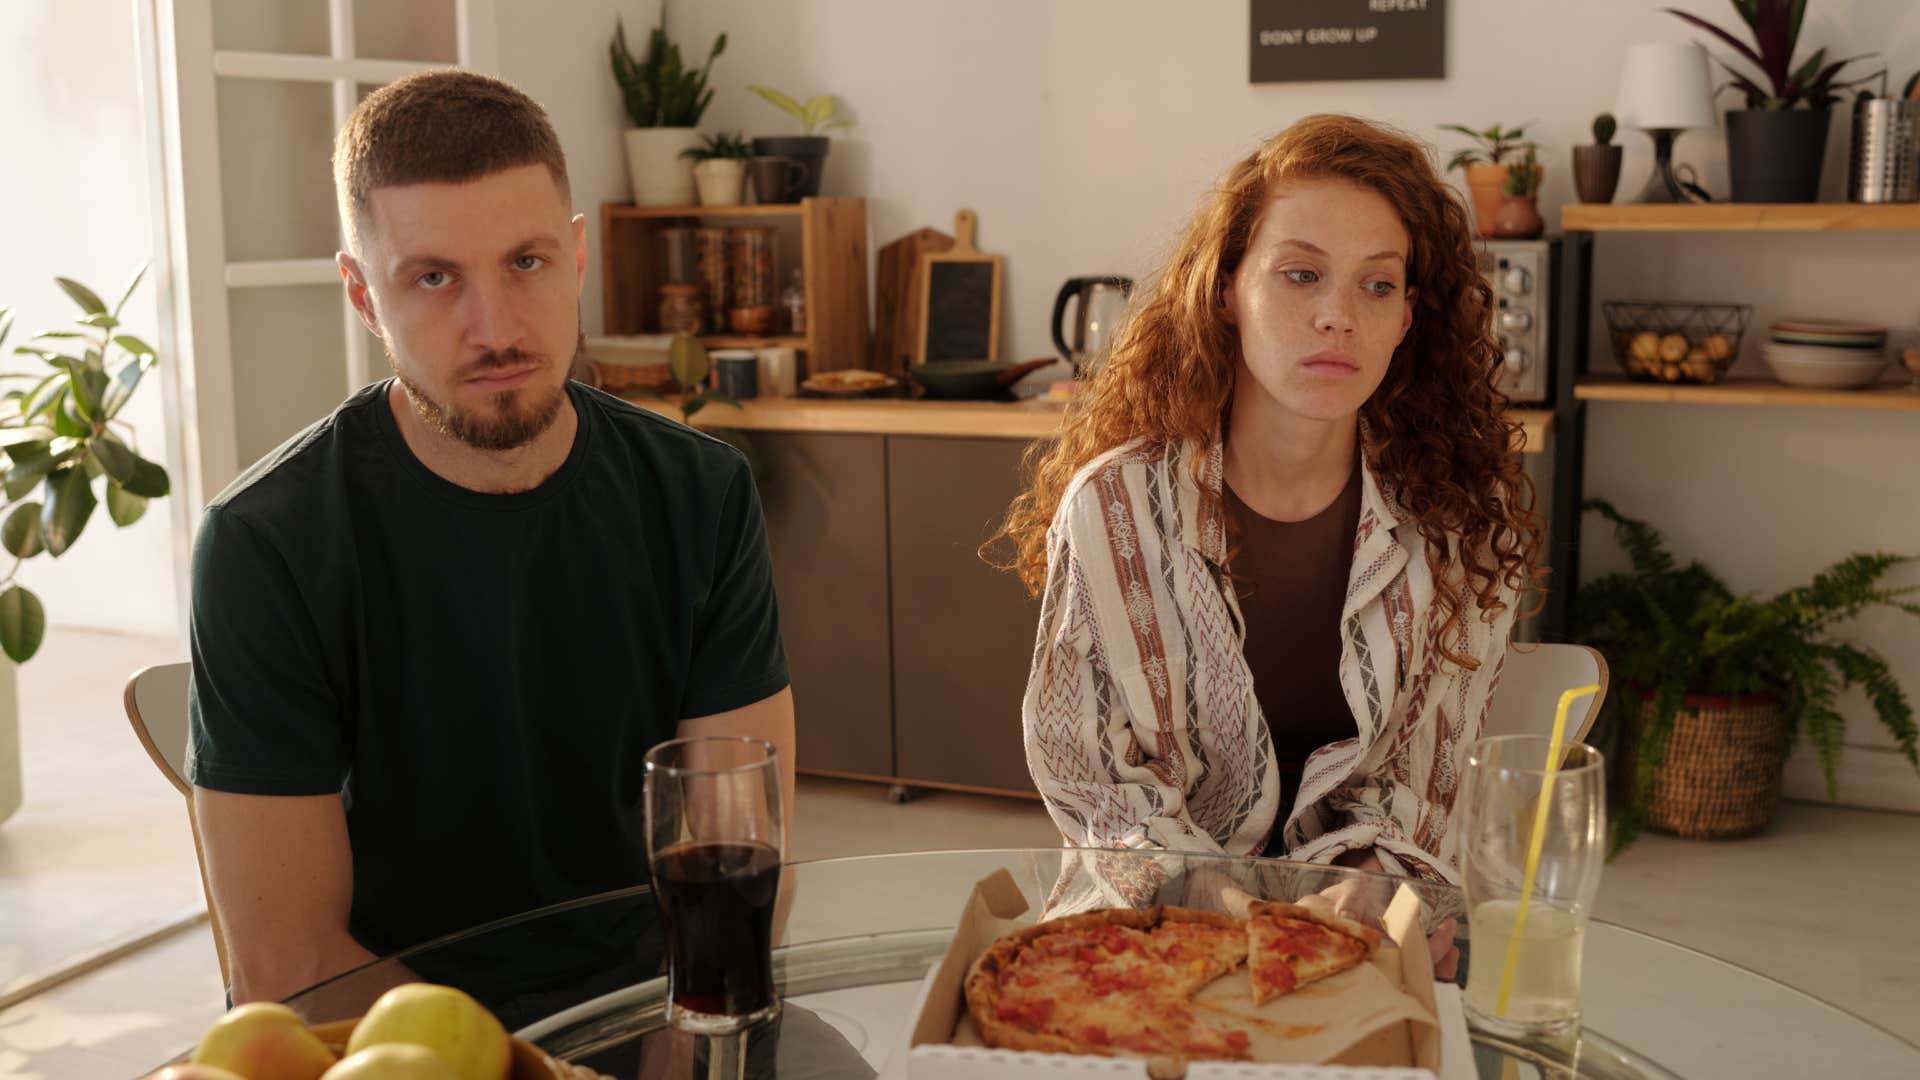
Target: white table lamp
column 1665, row 88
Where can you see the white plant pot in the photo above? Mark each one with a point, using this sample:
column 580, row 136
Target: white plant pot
column 657, row 172
column 722, row 181
column 10, row 787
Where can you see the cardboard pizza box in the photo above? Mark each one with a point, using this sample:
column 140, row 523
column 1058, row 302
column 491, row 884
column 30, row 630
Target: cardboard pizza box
column 1405, row 1043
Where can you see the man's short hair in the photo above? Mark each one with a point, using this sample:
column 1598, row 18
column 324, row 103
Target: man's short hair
column 438, row 127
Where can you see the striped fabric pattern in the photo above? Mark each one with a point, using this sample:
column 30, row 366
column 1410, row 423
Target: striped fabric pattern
column 1141, row 726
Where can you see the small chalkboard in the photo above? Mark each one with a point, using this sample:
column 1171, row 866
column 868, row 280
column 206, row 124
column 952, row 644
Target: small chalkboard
column 960, row 307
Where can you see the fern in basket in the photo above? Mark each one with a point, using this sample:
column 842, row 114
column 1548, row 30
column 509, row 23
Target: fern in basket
column 1671, row 630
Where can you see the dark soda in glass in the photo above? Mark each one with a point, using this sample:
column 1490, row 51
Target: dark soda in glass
column 716, row 902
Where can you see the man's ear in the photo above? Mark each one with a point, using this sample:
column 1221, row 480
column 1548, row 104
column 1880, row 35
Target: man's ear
column 357, row 292
column 580, row 251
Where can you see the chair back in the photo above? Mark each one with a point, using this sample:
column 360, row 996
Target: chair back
column 1531, row 684
column 156, row 700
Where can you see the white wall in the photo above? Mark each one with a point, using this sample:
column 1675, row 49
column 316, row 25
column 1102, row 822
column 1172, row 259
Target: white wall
column 73, row 202
column 1083, row 132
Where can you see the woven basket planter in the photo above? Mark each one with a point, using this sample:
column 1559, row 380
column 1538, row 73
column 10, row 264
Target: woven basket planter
column 1721, row 776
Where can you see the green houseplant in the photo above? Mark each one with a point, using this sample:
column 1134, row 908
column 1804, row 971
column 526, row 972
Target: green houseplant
column 1485, row 164
column 664, row 99
column 1692, row 653
column 63, row 437
column 1596, row 168
column 819, row 113
column 1519, row 215
column 720, row 168
column 1776, row 144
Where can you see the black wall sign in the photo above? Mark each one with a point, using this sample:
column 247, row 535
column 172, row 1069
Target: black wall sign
column 1315, row 40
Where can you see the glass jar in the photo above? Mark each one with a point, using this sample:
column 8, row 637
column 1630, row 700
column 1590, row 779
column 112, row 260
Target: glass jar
column 682, row 311
column 753, row 266
column 710, row 243
column 793, row 305
column 679, row 264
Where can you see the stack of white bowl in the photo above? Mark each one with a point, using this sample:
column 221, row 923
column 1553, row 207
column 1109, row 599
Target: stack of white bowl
column 1826, row 354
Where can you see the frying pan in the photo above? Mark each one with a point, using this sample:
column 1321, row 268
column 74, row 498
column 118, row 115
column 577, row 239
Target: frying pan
column 964, row 379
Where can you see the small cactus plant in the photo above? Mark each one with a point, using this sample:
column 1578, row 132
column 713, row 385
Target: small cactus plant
column 1603, row 128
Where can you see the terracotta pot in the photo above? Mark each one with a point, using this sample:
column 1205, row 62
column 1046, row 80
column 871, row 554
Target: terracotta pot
column 1485, row 181
column 1518, row 218
column 1596, row 172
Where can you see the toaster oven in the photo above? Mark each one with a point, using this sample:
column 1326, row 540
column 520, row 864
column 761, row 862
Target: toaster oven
column 1520, row 272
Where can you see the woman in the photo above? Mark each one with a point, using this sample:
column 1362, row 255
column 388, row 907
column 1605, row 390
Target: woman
column 1282, row 538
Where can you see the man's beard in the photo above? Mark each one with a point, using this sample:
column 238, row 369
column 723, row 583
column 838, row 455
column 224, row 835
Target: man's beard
column 510, row 419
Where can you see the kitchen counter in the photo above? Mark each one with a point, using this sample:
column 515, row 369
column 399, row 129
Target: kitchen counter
column 1032, row 419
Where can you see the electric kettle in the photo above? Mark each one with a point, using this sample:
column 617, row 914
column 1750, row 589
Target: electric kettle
column 1103, row 304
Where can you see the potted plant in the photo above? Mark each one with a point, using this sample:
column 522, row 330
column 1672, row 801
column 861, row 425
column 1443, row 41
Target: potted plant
column 820, row 113
column 1719, row 685
column 1519, row 215
column 1596, row 168
column 1776, row 145
column 67, row 451
column 664, row 99
column 1485, row 164
column 720, row 168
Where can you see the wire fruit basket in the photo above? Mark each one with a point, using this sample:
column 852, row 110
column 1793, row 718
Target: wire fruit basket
column 1659, row 341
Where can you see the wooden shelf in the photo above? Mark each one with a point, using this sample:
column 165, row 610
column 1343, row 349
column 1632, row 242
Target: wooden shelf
column 1740, row 217
column 1748, row 392
column 744, row 341
column 626, row 211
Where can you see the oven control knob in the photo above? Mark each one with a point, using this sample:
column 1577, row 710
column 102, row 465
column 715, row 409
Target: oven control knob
column 1515, row 320
column 1517, row 361
column 1516, row 280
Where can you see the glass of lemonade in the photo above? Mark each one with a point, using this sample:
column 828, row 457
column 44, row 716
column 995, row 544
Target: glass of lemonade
column 1538, row 972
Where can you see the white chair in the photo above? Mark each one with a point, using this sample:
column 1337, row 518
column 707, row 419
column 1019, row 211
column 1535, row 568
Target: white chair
column 1531, row 684
column 156, row 701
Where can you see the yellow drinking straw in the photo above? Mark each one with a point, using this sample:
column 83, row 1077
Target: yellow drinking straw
column 1539, row 834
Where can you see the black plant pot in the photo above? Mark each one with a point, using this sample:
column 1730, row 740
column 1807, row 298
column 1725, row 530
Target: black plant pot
column 1596, row 172
column 810, row 151
column 1774, row 155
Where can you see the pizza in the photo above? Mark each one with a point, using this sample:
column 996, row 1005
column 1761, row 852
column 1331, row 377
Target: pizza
column 1109, row 982
column 1289, row 946
column 1120, row 982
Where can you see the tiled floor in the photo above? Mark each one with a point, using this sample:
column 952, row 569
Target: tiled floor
column 1821, row 901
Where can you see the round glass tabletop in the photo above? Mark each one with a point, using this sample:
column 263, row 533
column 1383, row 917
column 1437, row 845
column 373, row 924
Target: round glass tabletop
column 583, row 980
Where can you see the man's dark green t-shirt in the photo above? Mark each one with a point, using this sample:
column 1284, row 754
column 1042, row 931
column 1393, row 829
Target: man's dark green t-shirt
column 480, row 676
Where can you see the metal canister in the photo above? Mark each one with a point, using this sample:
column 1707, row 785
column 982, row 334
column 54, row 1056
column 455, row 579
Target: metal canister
column 1885, row 165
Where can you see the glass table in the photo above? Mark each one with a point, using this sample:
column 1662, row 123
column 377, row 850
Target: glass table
column 583, row 980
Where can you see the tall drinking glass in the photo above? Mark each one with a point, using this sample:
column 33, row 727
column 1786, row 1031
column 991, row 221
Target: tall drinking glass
column 1523, row 978
column 714, row 843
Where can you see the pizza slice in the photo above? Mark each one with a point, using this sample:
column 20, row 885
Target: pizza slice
column 1289, row 946
column 1197, row 947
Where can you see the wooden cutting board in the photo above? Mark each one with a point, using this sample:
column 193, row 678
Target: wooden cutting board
column 896, row 301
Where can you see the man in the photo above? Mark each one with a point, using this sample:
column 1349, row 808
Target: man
column 435, row 633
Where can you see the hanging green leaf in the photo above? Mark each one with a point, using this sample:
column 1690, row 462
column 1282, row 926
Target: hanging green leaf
column 125, row 382
column 23, row 624
column 24, row 436
column 66, row 418
column 132, row 284
column 70, row 503
column 21, row 534
column 85, row 385
column 113, row 456
column 102, row 321
column 82, row 295
column 43, row 396
column 133, row 345
column 123, row 506
column 95, row 470
column 148, row 480
column 28, row 471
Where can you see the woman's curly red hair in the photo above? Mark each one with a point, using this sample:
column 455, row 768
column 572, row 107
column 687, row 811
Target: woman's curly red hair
column 1438, row 431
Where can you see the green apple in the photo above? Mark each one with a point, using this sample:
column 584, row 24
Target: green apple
column 195, row 1072
column 393, row 1061
column 264, row 1041
column 442, row 1019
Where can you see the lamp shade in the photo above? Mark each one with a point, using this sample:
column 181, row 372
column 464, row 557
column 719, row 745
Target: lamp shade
column 1665, row 84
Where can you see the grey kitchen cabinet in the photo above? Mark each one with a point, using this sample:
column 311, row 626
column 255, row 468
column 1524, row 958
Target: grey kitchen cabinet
column 962, row 631
column 825, row 501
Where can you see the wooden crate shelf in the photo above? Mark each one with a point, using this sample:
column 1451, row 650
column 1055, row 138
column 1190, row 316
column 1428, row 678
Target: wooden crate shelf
column 1740, row 217
column 832, row 258
column 1747, row 392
